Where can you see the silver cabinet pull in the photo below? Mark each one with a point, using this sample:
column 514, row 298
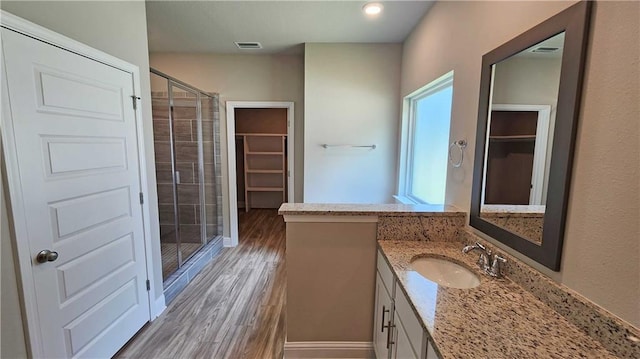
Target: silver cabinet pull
column 177, row 177
column 389, row 327
column 384, row 311
column 46, row 255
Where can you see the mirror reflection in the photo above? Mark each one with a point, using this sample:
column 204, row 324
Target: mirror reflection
column 522, row 112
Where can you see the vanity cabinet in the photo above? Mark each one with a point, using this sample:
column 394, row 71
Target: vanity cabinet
column 382, row 319
column 397, row 331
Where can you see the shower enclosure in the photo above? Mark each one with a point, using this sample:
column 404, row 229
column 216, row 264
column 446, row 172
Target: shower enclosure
column 187, row 141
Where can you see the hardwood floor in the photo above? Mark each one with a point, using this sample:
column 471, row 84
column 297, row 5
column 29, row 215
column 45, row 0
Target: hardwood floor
column 234, row 308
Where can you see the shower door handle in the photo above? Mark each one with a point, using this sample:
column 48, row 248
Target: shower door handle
column 177, row 177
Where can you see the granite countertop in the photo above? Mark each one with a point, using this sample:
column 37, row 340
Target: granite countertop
column 497, row 319
column 513, row 209
column 344, row 209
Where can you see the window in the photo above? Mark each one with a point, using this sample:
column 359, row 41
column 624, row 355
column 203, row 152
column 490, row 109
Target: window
column 425, row 143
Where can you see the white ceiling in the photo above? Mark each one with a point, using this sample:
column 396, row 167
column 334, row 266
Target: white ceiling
column 556, row 41
column 281, row 26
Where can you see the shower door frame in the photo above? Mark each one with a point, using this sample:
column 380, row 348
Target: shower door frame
column 173, row 82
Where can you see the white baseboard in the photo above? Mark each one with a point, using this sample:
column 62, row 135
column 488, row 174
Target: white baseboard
column 159, row 306
column 316, row 350
column 226, row 242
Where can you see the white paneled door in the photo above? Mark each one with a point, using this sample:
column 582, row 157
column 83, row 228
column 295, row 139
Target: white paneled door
column 74, row 131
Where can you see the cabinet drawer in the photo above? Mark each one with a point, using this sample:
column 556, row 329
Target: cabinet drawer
column 385, row 273
column 410, row 322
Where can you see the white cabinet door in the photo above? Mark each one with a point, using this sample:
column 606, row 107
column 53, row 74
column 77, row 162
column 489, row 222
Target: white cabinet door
column 74, row 138
column 382, row 319
column 402, row 348
column 431, row 353
column 404, row 313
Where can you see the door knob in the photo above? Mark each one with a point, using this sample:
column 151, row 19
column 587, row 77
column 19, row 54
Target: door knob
column 46, row 256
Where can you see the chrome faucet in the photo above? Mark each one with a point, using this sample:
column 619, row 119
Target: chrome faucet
column 484, row 261
column 491, row 266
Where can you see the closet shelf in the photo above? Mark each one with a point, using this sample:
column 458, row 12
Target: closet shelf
column 512, row 138
column 264, row 153
column 265, row 189
column 264, row 148
column 262, row 134
column 264, row 171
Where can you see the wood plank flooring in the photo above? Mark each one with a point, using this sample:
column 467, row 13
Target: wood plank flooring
column 234, row 308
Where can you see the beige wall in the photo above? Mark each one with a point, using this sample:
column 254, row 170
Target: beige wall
column 601, row 247
column 119, row 29
column 243, row 78
column 351, row 97
column 330, row 281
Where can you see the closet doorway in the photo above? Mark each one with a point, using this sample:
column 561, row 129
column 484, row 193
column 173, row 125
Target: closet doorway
column 260, row 138
column 517, row 146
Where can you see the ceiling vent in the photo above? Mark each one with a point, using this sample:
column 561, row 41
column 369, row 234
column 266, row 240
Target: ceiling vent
column 248, row 45
column 544, row 49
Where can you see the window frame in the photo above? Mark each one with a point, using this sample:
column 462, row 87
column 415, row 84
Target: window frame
column 407, row 135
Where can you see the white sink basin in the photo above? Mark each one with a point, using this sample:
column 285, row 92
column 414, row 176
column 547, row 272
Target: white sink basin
column 445, row 273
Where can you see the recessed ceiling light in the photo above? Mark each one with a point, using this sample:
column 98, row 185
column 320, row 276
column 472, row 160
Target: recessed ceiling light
column 372, row 8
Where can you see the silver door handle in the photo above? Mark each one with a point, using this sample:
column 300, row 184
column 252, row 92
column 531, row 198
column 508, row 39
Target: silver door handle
column 46, row 255
column 177, row 177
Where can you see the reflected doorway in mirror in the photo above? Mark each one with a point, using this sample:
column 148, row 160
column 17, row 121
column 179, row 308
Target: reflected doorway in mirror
column 517, row 146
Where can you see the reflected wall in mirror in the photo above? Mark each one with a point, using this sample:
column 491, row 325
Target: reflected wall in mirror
column 522, row 113
column 527, row 117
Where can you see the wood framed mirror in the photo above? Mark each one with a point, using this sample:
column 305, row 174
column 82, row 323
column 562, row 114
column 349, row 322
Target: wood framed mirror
column 528, row 111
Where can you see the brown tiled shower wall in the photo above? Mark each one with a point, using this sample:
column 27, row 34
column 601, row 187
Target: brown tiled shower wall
column 186, row 153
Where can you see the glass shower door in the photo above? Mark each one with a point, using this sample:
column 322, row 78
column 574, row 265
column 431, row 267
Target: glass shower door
column 167, row 196
column 187, row 154
column 185, row 113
